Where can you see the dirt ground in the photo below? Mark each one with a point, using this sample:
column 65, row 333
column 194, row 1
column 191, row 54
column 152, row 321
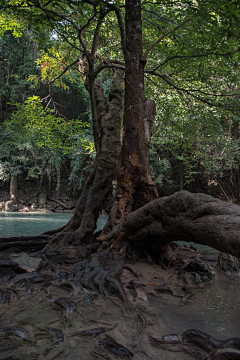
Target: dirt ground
column 53, row 334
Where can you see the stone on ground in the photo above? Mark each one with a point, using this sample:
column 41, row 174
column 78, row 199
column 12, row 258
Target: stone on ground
column 27, row 263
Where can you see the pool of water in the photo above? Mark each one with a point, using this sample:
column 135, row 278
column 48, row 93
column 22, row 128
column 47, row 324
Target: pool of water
column 215, row 309
column 199, row 247
column 22, row 224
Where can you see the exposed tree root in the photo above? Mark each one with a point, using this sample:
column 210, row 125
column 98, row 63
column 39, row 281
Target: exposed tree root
column 182, row 216
column 200, row 345
column 74, row 269
column 103, row 273
column 28, row 243
column 55, row 351
column 22, row 238
column 110, row 346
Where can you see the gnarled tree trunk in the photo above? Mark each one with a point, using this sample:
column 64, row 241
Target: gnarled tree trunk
column 183, row 216
column 99, row 182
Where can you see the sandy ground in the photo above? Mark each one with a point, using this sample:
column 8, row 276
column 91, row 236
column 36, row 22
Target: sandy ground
column 214, row 309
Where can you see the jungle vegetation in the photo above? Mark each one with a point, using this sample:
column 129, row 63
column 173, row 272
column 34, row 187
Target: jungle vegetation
column 176, row 65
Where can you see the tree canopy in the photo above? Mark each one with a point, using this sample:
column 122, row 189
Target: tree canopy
column 191, row 51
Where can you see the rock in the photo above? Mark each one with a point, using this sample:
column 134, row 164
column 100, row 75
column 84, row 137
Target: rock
column 196, row 271
column 42, row 198
column 24, row 209
column 27, row 263
column 34, row 206
column 228, row 263
column 141, row 295
column 32, row 200
column 20, row 207
column 8, row 206
column 51, row 205
column 169, row 256
column 200, row 267
column 198, row 279
column 105, row 245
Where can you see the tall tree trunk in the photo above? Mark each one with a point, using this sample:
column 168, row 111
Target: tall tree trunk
column 13, row 189
column 135, row 187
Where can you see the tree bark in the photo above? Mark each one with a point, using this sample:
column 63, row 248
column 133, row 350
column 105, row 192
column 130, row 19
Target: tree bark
column 99, row 181
column 135, row 187
column 13, row 189
column 183, row 216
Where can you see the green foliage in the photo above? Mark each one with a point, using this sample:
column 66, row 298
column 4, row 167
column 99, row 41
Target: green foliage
column 160, row 166
column 9, row 22
column 196, row 135
column 36, row 141
column 41, row 125
column 17, row 62
column 192, row 73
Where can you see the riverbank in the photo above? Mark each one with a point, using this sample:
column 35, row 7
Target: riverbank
column 38, row 201
column 51, row 333
column 32, row 198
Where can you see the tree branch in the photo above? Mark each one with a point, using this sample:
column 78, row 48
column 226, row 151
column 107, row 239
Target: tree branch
column 64, row 37
column 112, row 61
column 163, row 37
column 194, row 56
column 57, row 14
column 63, row 72
column 189, row 92
column 97, row 30
column 107, row 66
column 122, row 29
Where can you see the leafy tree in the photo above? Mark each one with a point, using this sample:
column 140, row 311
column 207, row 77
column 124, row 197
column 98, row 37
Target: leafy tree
column 35, row 141
column 17, row 61
column 21, row 73
column 196, row 135
column 173, row 35
column 20, row 78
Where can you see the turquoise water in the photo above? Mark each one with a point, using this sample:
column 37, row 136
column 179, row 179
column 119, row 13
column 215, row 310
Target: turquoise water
column 204, row 248
column 22, row 224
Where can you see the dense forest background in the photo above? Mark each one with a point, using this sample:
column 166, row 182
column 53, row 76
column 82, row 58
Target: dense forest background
column 46, row 141
column 45, row 138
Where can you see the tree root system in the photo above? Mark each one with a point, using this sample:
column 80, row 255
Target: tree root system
column 200, row 344
column 52, row 313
